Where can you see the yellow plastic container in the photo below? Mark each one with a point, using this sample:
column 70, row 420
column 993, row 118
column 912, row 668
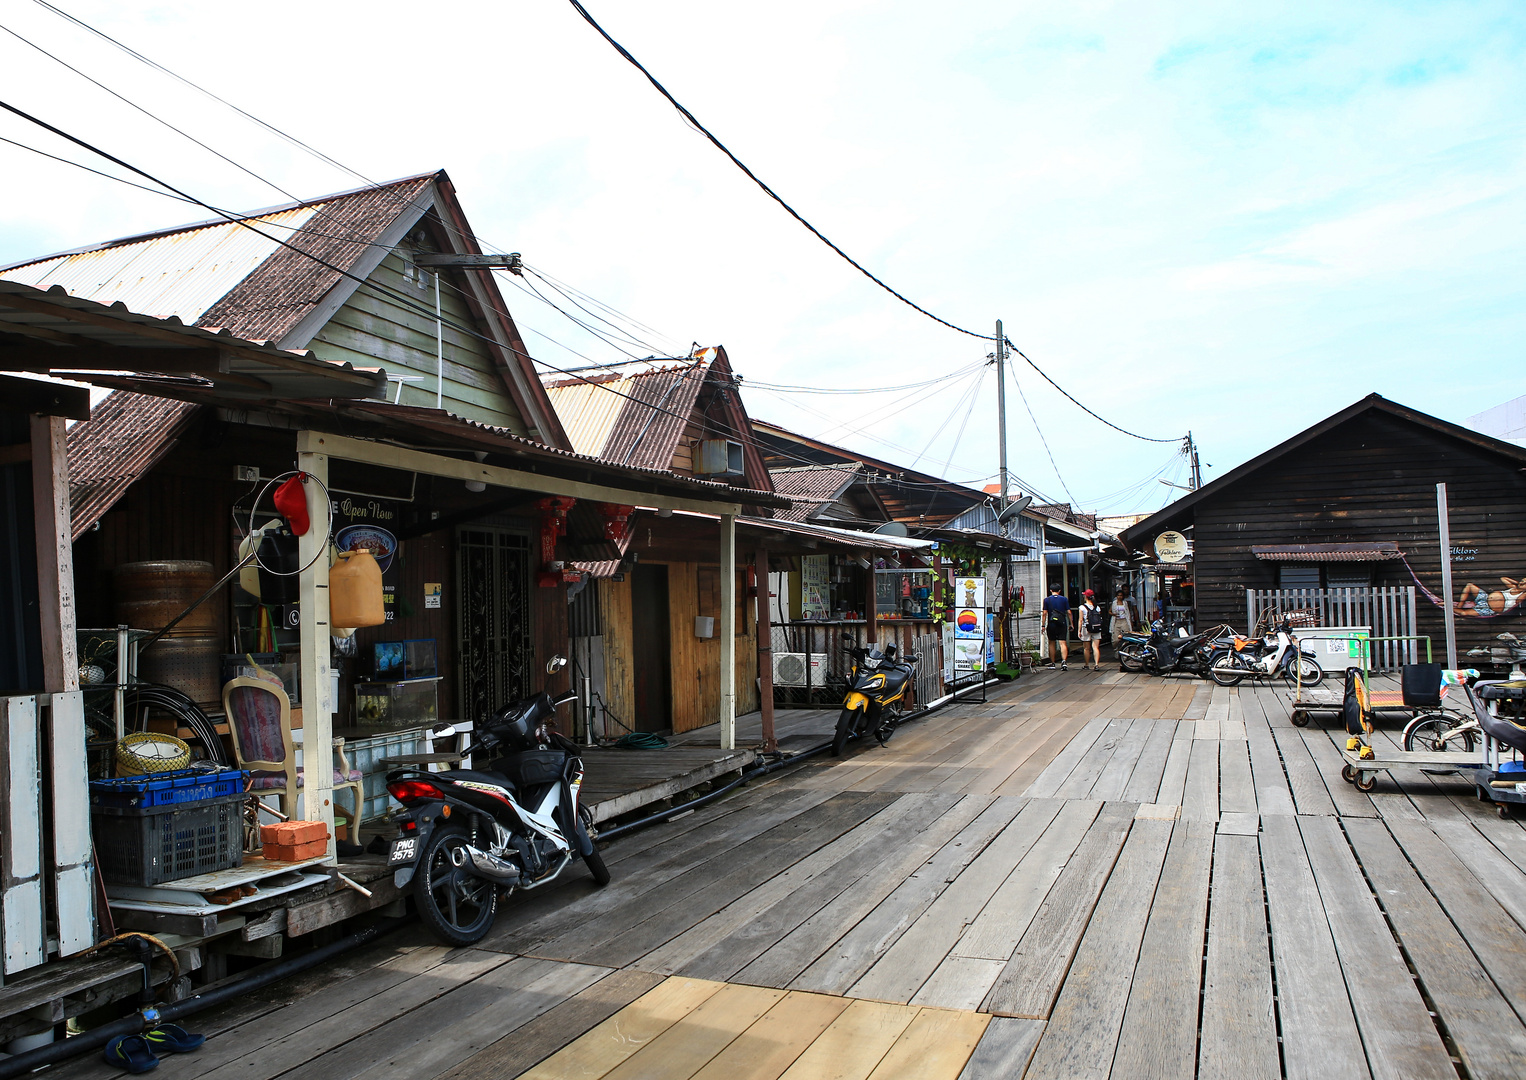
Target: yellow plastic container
column 355, row 591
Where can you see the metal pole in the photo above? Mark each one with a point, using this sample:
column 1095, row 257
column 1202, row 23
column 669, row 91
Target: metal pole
column 1197, row 472
column 728, row 619
column 1446, row 574
column 765, row 632
column 1001, row 410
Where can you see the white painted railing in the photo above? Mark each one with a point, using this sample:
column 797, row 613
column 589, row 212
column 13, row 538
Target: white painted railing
column 1390, row 612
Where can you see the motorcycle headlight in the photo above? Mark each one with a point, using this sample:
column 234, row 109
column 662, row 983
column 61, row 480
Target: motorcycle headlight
column 876, row 682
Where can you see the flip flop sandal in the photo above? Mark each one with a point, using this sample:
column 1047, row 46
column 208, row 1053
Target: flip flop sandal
column 174, row 1039
column 130, row 1052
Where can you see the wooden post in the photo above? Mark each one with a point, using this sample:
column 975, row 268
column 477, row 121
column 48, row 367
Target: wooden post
column 317, row 725
column 765, row 652
column 871, row 628
column 55, row 554
column 728, row 615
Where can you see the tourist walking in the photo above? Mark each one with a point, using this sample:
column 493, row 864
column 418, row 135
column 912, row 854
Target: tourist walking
column 1089, row 630
column 1057, row 626
column 1123, row 617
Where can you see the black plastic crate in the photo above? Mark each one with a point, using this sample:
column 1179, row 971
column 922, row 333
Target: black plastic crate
column 166, row 843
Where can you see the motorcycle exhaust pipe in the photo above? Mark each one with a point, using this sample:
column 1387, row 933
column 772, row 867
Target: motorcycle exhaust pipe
column 481, row 862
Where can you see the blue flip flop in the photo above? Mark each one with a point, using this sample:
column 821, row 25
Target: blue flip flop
column 173, row 1038
column 130, row 1052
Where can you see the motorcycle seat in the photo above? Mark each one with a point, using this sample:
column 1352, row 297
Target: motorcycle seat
column 476, row 776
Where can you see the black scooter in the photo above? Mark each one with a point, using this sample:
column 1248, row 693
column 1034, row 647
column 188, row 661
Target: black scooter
column 1176, row 652
column 468, row 836
column 876, row 688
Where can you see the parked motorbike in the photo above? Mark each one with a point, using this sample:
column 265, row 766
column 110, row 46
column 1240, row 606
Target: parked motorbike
column 1276, row 653
column 467, row 837
column 877, row 686
column 1173, row 651
column 1130, row 650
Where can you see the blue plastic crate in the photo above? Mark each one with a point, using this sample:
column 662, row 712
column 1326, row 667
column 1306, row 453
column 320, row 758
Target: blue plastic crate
column 180, row 788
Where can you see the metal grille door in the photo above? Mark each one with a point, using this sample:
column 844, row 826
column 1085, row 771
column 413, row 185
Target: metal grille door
column 496, row 648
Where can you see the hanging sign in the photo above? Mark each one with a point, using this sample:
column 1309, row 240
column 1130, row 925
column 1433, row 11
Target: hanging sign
column 366, row 524
column 1171, row 547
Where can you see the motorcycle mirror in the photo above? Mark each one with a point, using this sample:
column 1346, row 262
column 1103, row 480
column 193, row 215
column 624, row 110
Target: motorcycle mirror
column 555, row 664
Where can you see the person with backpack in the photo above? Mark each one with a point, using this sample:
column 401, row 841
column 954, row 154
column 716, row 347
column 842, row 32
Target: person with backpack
column 1089, row 629
column 1057, row 625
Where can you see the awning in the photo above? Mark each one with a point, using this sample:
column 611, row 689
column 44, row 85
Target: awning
column 1381, row 551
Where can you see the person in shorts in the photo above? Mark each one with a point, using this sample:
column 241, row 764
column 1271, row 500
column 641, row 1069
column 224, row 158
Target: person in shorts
column 1057, row 626
column 1089, row 630
column 1123, row 616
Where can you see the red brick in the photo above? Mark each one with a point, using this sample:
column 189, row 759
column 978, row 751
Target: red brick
column 292, row 833
column 296, row 852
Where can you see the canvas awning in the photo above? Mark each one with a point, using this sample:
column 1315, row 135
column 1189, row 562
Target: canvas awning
column 1380, row 551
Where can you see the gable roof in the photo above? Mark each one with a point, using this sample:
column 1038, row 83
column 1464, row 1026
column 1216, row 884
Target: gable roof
column 1372, row 403
column 126, row 436
column 639, row 416
column 813, row 488
column 280, row 274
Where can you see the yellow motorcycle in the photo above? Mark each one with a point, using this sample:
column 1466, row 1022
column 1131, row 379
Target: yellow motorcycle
column 877, row 687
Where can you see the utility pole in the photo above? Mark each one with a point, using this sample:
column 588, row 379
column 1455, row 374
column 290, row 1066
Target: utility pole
column 1001, row 410
column 1197, row 472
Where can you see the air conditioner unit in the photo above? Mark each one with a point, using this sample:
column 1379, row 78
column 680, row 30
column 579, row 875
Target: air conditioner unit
column 790, row 669
column 718, row 457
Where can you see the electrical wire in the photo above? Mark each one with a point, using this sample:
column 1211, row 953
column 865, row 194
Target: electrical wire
column 97, row 172
column 690, row 117
column 785, row 388
column 1052, row 462
column 1083, row 408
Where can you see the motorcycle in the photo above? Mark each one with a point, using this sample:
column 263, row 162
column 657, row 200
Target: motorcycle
column 1277, row 653
column 1167, row 653
column 468, row 838
column 877, row 686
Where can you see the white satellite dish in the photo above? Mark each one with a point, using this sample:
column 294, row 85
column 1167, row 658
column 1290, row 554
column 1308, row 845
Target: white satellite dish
column 891, row 528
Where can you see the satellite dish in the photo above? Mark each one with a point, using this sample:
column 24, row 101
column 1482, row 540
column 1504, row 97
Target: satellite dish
column 891, row 528
column 1016, row 508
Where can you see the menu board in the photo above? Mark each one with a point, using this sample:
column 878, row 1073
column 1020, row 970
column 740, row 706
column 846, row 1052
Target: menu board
column 970, row 625
column 815, row 593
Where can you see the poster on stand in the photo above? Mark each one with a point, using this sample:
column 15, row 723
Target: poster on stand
column 969, row 592
column 362, row 523
column 948, row 652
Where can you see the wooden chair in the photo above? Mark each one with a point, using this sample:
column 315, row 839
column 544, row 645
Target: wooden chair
column 259, row 720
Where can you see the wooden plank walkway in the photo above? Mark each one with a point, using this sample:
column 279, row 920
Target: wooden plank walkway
column 1091, row 874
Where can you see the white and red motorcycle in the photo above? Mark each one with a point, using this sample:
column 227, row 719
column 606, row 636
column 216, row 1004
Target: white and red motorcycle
column 1274, row 654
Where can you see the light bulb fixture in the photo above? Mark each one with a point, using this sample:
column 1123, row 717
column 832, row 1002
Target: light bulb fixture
column 477, row 485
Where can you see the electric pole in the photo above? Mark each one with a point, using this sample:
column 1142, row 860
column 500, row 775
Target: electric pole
column 1001, row 410
column 1197, row 473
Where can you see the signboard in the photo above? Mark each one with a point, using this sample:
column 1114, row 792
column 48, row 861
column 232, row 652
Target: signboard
column 969, row 592
column 815, row 598
column 970, row 626
column 1171, row 547
column 364, row 523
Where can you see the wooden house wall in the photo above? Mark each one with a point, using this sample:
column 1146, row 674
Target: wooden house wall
column 619, row 677
column 373, row 329
column 1372, row 479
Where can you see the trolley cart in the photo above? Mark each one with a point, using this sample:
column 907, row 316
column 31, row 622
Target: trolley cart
column 1363, row 772
column 1325, row 699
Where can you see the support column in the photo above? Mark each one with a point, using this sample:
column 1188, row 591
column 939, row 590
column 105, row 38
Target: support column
column 55, row 554
column 728, row 615
column 313, row 623
column 765, row 652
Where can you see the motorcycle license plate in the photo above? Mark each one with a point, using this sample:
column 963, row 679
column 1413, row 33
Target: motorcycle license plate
column 404, row 850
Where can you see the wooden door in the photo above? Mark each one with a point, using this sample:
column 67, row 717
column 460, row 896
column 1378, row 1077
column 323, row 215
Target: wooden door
column 495, row 645
column 651, row 656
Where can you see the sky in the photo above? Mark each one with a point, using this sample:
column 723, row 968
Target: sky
column 1232, row 220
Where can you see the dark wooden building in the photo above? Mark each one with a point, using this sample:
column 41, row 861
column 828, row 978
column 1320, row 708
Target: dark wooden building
column 1350, row 503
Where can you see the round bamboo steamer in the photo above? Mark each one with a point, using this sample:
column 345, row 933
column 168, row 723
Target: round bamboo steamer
column 150, row 594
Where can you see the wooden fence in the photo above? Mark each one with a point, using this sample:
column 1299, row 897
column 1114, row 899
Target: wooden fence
column 1390, row 612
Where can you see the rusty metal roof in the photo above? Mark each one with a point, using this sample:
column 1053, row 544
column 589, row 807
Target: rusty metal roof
column 629, row 417
column 813, row 488
column 227, row 275
column 126, row 436
column 1381, row 551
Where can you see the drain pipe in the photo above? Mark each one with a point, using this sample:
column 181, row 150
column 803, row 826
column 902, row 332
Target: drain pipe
column 152, row 1016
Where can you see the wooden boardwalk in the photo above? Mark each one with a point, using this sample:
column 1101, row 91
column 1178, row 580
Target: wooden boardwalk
column 1091, row 875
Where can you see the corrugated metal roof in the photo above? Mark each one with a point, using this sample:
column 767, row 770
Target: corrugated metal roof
column 588, row 411
column 1381, row 551
column 126, row 435
column 812, row 488
column 180, row 274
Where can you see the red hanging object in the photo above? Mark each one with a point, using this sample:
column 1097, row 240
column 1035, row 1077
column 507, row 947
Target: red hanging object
column 291, row 501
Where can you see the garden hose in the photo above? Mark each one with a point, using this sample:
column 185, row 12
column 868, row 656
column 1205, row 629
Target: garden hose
column 641, row 740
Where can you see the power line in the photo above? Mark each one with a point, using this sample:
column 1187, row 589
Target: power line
column 1043, row 440
column 1083, row 408
column 690, row 117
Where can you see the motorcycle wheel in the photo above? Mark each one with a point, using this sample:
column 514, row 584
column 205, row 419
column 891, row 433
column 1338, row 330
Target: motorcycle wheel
column 594, row 860
column 1130, row 660
column 1310, row 675
column 1225, row 670
column 887, row 725
column 456, row 905
column 1424, row 732
column 845, row 724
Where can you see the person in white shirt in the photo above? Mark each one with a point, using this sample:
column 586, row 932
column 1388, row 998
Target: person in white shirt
column 1089, row 630
column 1123, row 618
